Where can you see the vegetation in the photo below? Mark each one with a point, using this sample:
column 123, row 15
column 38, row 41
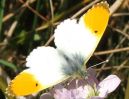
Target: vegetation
column 26, row 24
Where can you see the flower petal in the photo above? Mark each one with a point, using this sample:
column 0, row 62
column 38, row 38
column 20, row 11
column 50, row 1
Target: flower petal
column 108, row 85
column 97, row 97
column 46, row 96
column 76, row 83
column 91, row 79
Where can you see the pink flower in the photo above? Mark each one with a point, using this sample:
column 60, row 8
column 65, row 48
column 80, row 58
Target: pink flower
column 108, row 85
column 86, row 89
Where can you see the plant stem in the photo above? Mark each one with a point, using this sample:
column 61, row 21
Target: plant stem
column 2, row 4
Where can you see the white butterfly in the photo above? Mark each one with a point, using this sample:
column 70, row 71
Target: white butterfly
column 75, row 42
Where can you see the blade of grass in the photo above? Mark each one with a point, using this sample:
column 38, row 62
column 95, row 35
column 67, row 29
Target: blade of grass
column 7, row 64
column 2, row 4
column 3, row 86
column 34, row 26
column 127, row 90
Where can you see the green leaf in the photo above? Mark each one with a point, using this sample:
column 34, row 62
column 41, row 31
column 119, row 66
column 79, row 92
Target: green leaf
column 21, row 38
column 7, row 64
column 37, row 37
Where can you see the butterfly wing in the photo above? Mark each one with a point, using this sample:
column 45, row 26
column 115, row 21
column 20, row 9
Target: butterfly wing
column 72, row 37
column 45, row 70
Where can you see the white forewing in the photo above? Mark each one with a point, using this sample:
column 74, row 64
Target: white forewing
column 74, row 38
column 46, row 64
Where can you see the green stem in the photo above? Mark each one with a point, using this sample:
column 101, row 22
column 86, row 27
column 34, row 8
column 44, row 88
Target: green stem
column 33, row 27
column 2, row 5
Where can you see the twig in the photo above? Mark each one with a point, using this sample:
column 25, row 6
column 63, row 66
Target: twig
column 120, row 14
column 115, row 6
column 35, row 12
column 52, row 18
column 12, row 28
column 9, row 34
column 112, row 51
column 74, row 16
column 110, row 56
column 49, row 41
column 121, row 32
column 122, row 64
column 111, row 67
column 10, row 15
column 84, row 9
column 46, row 26
column 52, row 10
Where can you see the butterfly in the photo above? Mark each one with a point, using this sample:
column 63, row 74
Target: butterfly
column 75, row 42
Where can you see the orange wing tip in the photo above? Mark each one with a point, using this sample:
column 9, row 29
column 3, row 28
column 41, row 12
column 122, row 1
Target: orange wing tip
column 9, row 91
column 103, row 4
column 24, row 84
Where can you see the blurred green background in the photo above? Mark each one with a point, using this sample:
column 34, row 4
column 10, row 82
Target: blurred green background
column 26, row 24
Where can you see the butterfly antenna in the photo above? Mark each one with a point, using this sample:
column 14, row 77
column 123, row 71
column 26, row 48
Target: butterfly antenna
column 106, row 61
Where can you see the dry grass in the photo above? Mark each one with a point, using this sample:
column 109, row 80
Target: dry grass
column 25, row 25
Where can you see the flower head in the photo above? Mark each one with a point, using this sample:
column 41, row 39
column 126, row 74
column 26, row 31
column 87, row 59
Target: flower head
column 81, row 92
column 83, row 89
